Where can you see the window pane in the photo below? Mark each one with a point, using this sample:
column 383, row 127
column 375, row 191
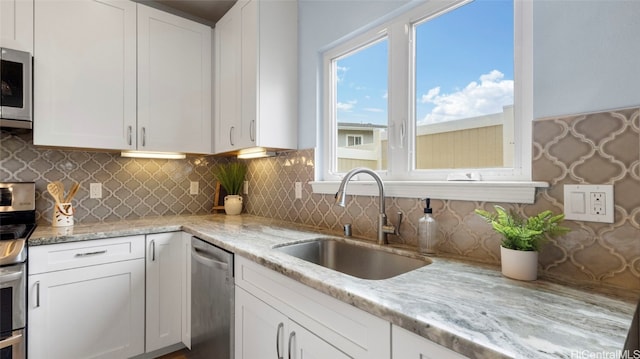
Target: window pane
column 464, row 87
column 361, row 107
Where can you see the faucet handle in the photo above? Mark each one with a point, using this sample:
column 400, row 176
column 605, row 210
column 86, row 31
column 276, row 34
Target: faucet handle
column 396, row 231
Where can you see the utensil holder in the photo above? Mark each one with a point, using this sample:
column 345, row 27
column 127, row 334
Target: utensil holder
column 62, row 215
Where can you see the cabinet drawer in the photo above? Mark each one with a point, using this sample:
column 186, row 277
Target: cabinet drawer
column 54, row 257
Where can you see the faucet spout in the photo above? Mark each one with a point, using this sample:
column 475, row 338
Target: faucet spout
column 383, row 228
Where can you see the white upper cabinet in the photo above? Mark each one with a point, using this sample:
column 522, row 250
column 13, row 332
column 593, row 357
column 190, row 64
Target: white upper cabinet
column 118, row 75
column 174, row 83
column 16, row 24
column 256, row 76
column 85, row 74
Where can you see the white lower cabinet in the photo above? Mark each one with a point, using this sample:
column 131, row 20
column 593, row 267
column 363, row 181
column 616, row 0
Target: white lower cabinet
column 277, row 317
column 408, row 345
column 164, row 290
column 86, row 299
column 260, row 326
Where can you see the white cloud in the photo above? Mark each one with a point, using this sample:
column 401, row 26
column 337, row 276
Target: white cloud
column 476, row 99
column 346, row 107
column 371, row 109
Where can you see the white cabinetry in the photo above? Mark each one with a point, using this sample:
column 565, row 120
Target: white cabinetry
column 85, row 74
column 174, row 83
column 164, row 290
column 256, row 76
column 261, row 323
column 305, row 322
column 86, row 299
column 408, row 345
column 16, row 24
column 110, row 79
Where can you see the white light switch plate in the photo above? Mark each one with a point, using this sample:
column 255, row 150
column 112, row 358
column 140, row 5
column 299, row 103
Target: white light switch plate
column 589, row 203
column 194, row 187
column 95, row 190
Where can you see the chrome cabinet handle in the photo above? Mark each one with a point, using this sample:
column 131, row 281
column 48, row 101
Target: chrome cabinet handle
column 12, row 340
column 153, row 250
column 37, row 294
column 252, row 130
column 280, row 327
column 144, row 136
column 291, row 336
column 86, row 254
column 130, row 135
column 231, row 135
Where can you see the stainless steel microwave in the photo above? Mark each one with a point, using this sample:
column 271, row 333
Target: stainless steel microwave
column 15, row 82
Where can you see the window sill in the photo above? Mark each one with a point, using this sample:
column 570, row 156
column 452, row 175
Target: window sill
column 484, row 191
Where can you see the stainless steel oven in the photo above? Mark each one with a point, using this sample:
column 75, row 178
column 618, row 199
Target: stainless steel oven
column 17, row 222
column 12, row 311
column 15, row 87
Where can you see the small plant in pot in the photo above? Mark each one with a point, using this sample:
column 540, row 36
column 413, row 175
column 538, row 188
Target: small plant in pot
column 231, row 177
column 522, row 238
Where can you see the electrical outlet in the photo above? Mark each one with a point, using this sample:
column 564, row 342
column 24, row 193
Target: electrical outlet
column 95, row 190
column 298, row 190
column 598, row 206
column 589, row 203
column 245, row 187
column 194, row 188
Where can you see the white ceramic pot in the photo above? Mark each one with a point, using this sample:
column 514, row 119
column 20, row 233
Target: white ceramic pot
column 233, row 204
column 521, row 265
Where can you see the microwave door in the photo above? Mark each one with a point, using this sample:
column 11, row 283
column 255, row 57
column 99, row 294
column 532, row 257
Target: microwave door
column 15, row 88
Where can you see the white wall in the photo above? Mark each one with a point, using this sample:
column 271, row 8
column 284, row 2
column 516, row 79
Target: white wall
column 586, row 53
column 586, row 56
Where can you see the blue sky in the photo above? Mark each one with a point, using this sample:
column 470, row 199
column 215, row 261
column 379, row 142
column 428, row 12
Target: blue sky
column 471, row 73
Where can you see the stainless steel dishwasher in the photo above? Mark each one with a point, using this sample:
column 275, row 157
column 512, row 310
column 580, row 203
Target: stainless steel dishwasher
column 212, row 301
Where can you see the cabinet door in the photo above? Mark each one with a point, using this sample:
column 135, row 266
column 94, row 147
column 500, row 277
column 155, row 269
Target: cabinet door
column 264, row 332
column 227, row 84
column 85, row 66
column 186, row 289
column 16, row 24
column 302, row 344
column 90, row 312
column 260, row 330
column 249, row 78
column 174, row 83
column 164, row 290
column 408, row 345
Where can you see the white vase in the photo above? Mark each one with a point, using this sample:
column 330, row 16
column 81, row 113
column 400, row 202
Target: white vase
column 521, row 265
column 233, row 204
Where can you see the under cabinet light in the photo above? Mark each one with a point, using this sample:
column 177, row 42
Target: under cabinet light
column 257, row 152
column 163, row 155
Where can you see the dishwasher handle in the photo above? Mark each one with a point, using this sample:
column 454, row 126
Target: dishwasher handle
column 207, row 258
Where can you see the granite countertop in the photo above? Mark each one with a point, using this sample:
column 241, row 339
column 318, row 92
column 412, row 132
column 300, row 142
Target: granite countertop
column 466, row 307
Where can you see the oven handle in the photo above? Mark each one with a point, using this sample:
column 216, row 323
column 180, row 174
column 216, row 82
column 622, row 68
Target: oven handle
column 12, row 340
column 10, row 277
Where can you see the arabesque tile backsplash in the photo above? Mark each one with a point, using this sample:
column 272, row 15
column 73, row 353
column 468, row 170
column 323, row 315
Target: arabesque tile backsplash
column 600, row 148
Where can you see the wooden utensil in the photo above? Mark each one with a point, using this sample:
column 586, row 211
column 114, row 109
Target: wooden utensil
column 60, row 186
column 72, row 192
column 54, row 191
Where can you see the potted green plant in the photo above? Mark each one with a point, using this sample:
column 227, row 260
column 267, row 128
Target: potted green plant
column 231, row 177
column 522, row 238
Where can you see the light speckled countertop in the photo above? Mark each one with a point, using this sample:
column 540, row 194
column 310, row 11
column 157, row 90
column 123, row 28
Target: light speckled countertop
column 469, row 308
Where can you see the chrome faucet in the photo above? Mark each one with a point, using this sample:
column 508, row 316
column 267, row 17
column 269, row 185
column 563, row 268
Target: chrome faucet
column 383, row 227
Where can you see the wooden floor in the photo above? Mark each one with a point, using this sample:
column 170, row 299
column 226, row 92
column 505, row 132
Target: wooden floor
column 180, row 354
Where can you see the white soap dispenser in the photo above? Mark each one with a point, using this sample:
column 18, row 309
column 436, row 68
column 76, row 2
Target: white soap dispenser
column 427, row 231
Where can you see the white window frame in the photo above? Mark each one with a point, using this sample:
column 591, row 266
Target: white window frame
column 355, row 137
column 400, row 178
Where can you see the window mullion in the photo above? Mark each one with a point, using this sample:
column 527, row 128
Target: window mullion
column 399, row 120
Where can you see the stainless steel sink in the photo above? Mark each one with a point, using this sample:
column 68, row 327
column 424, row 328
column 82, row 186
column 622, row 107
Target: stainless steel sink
column 353, row 259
